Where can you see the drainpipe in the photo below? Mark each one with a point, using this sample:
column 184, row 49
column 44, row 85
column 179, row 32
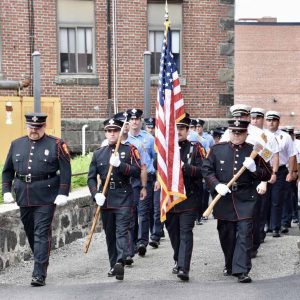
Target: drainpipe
column 83, row 138
column 108, row 58
column 30, row 5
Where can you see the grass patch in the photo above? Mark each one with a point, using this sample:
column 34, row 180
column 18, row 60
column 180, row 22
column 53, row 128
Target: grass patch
column 79, row 165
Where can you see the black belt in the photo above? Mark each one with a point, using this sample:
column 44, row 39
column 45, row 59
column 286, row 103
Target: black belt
column 238, row 185
column 117, row 185
column 29, row 178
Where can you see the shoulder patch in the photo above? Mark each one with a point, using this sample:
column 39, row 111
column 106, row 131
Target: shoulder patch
column 135, row 152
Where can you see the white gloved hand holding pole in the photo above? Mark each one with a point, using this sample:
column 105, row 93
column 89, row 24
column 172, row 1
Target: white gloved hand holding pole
column 222, row 189
column 115, row 160
column 100, row 199
column 61, row 200
column 8, row 198
column 249, row 163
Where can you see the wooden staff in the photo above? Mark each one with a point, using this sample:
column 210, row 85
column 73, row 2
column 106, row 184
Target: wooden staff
column 253, row 154
column 87, row 242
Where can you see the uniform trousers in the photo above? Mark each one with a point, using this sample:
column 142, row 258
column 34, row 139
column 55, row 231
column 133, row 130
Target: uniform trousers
column 180, row 228
column 257, row 236
column 134, row 225
column 37, row 225
column 287, row 209
column 278, row 194
column 144, row 214
column 236, row 242
column 156, row 228
column 116, row 226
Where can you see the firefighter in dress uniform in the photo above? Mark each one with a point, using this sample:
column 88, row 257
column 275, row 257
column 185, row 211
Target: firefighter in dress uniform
column 181, row 218
column 235, row 209
column 37, row 169
column 117, row 204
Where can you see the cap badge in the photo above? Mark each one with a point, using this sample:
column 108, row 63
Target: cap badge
column 34, row 119
column 111, row 121
column 237, row 123
column 134, row 111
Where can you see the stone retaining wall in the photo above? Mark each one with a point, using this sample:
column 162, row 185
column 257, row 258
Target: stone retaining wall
column 70, row 222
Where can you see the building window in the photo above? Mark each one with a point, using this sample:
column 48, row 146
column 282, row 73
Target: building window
column 156, row 33
column 76, row 36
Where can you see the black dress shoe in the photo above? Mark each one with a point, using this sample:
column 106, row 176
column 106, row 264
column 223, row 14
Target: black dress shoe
column 175, row 268
column 253, row 253
column 111, row 273
column 276, row 234
column 244, row 278
column 119, row 271
column 128, row 261
column 142, row 250
column 154, row 244
column 284, row 229
column 199, row 222
column 38, row 281
column 183, row 275
column 227, row 272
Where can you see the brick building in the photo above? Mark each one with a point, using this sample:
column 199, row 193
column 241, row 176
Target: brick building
column 267, row 67
column 86, row 52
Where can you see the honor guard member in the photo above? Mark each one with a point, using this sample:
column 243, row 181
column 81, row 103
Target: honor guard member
column 37, row 169
column 181, row 218
column 209, row 142
column 290, row 209
column 156, row 227
column 262, row 205
column 238, row 112
column 235, row 209
column 203, row 134
column 217, row 134
column 150, row 125
column 138, row 192
column 287, row 156
column 144, row 206
column 193, row 135
column 117, row 204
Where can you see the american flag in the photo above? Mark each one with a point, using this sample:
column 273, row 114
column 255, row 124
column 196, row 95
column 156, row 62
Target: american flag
column 169, row 110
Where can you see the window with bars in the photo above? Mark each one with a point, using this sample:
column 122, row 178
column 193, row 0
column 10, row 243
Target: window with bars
column 76, row 36
column 76, row 50
column 156, row 12
column 155, row 43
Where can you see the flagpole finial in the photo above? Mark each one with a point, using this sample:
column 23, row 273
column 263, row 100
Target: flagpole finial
column 166, row 11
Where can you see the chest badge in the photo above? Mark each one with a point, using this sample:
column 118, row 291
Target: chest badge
column 46, row 152
column 122, row 155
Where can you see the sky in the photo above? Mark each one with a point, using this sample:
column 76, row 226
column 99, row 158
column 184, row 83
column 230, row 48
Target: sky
column 284, row 10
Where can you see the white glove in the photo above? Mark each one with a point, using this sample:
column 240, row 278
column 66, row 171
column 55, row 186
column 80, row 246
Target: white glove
column 115, row 160
column 262, row 188
column 61, row 200
column 249, row 163
column 222, row 189
column 100, row 199
column 8, row 198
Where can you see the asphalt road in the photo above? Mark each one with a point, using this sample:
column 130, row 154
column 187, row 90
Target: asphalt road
column 75, row 275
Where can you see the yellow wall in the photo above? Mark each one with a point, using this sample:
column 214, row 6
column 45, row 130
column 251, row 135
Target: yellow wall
column 21, row 105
